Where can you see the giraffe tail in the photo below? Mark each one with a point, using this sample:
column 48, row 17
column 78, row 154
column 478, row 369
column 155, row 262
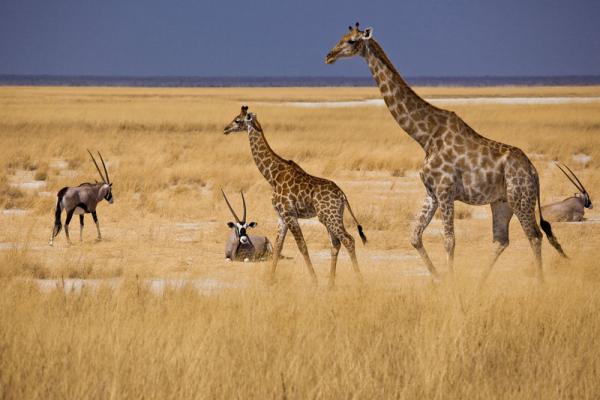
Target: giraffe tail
column 358, row 225
column 546, row 227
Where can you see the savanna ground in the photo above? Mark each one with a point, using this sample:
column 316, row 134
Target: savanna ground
column 162, row 315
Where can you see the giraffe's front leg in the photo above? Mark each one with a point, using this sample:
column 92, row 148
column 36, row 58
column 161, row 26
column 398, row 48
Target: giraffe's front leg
column 294, row 227
column 501, row 215
column 430, row 205
column 281, row 232
column 447, row 209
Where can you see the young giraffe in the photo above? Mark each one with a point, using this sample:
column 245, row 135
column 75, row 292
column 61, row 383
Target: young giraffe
column 296, row 194
column 459, row 163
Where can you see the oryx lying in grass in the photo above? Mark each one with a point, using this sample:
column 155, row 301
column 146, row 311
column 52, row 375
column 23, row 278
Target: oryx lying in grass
column 571, row 208
column 80, row 200
column 241, row 246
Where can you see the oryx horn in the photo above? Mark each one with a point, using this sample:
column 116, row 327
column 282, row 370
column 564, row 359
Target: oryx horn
column 577, row 184
column 244, row 202
column 97, row 167
column 105, row 170
column 231, row 208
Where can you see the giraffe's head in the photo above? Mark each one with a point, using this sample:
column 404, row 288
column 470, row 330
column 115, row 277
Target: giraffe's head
column 238, row 124
column 242, row 121
column 350, row 44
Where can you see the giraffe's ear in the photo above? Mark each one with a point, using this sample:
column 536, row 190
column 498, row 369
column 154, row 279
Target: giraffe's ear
column 368, row 33
column 248, row 117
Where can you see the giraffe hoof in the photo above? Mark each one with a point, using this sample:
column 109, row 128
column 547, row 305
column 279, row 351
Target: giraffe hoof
column 228, row 259
column 246, row 260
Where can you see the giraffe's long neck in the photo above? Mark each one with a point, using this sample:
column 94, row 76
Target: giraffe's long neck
column 408, row 109
column 265, row 158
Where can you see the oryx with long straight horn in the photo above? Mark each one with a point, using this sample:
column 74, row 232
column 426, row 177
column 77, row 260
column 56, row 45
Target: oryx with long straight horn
column 240, row 245
column 572, row 208
column 81, row 200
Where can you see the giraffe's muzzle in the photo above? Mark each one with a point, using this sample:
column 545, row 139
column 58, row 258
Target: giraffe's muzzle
column 330, row 58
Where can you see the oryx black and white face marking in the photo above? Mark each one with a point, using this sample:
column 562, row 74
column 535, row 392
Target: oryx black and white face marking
column 241, row 230
column 109, row 196
column 587, row 202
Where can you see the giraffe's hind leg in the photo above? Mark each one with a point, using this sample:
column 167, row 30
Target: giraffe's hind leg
column 335, row 250
column 430, row 205
column 348, row 242
column 501, row 215
column 294, row 227
column 333, row 219
column 523, row 203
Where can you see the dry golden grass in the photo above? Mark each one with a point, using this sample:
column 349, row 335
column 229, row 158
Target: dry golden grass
column 397, row 336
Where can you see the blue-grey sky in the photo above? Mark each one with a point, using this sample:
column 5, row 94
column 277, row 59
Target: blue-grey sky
column 291, row 38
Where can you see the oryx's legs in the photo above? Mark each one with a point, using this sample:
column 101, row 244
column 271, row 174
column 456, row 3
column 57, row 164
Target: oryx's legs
column 281, row 232
column 55, row 231
column 81, row 227
column 294, row 227
column 501, row 215
column 67, row 222
column 430, row 205
column 97, row 224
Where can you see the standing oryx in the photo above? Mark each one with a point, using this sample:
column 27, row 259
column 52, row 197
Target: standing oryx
column 571, row 208
column 81, row 200
column 241, row 246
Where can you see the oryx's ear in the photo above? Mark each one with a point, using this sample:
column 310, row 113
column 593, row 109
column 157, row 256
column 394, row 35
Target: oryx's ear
column 252, row 225
column 368, row 33
column 110, row 184
column 231, row 224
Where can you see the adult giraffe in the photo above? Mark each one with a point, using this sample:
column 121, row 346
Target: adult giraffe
column 459, row 163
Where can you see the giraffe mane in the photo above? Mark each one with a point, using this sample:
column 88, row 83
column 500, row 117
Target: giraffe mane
column 378, row 50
